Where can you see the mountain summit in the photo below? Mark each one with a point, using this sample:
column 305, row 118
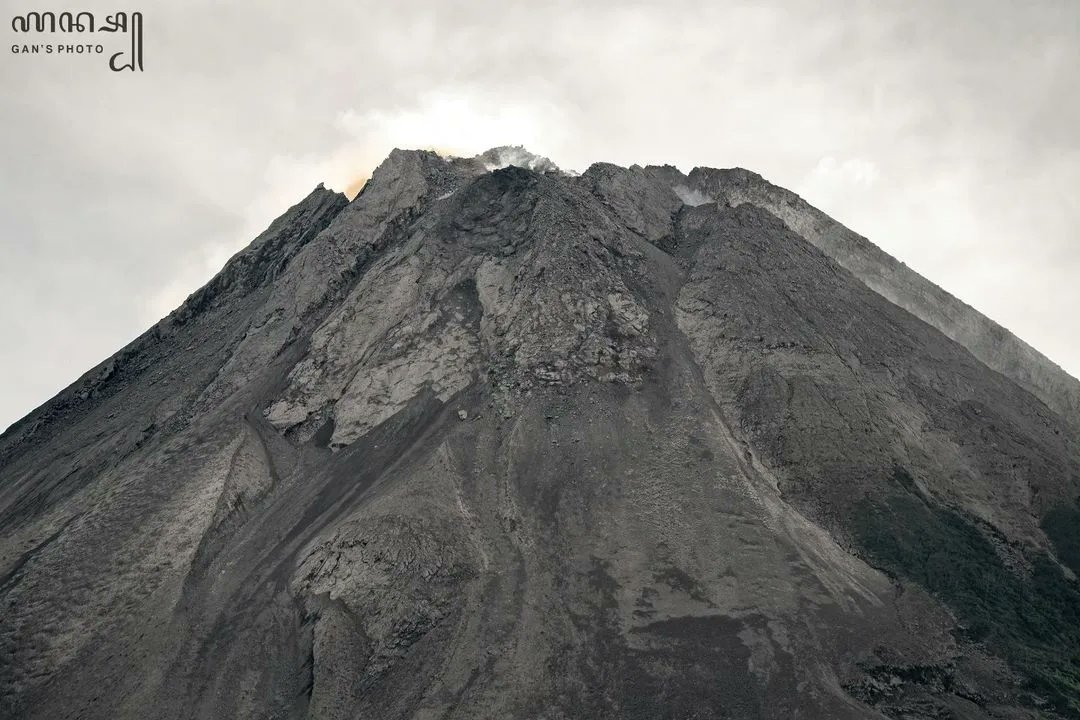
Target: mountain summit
column 496, row 441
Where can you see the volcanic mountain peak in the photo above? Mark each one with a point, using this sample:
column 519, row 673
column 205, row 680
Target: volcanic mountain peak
column 509, row 442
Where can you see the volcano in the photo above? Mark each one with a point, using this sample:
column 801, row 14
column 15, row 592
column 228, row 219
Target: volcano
column 494, row 440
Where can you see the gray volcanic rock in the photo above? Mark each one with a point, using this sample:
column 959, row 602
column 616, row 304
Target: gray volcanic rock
column 493, row 440
column 985, row 339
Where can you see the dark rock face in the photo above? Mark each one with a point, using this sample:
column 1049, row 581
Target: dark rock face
column 511, row 443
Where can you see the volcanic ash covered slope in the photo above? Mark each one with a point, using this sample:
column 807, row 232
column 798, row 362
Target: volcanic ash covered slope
column 495, row 441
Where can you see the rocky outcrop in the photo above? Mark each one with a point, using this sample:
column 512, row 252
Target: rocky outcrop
column 494, row 440
column 985, row 339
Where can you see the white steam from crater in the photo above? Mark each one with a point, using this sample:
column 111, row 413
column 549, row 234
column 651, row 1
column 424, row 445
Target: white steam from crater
column 690, row 196
column 517, row 156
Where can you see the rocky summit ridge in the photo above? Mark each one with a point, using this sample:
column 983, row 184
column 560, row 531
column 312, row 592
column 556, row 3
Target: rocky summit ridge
column 497, row 440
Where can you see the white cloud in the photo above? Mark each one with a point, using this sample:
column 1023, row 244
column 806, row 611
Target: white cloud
column 842, row 175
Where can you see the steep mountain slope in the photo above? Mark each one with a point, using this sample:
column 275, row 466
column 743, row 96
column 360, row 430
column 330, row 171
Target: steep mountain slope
column 985, row 339
column 501, row 442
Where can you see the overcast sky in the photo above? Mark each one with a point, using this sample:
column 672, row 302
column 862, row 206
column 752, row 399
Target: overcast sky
column 946, row 131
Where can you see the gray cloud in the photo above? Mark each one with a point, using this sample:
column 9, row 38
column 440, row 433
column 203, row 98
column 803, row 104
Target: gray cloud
column 945, row 132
